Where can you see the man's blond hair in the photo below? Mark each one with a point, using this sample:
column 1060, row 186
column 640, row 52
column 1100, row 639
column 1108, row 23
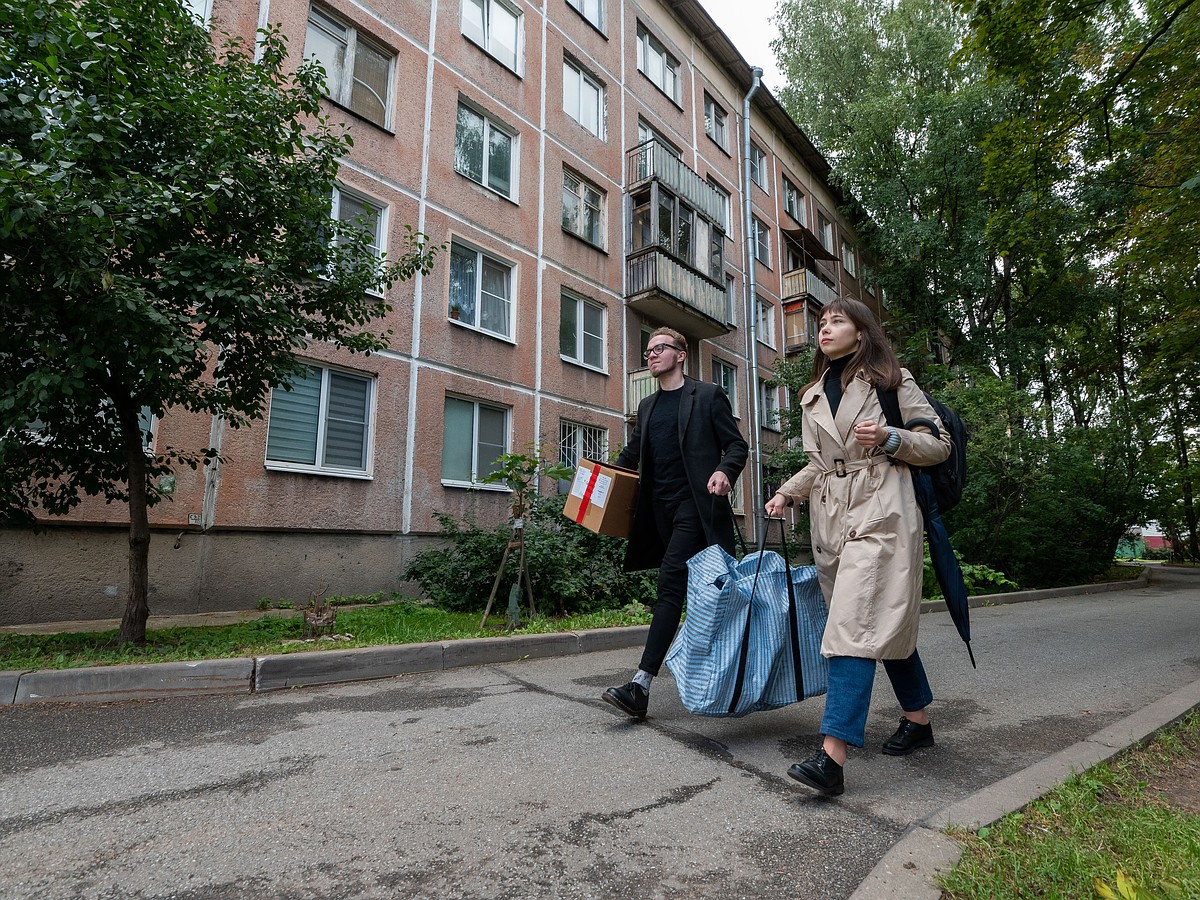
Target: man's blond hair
column 678, row 339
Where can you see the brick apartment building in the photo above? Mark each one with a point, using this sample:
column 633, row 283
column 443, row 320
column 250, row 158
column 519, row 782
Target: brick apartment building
column 582, row 161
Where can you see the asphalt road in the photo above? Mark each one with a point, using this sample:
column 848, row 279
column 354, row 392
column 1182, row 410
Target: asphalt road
column 514, row 781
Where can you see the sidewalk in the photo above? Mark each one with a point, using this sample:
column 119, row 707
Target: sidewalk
column 905, row 871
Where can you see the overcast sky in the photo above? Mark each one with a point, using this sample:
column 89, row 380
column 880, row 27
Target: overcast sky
column 747, row 24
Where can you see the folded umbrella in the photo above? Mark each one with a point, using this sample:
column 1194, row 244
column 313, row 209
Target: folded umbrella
column 945, row 563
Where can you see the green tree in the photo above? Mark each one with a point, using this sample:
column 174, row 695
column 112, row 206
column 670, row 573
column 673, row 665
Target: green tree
column 165, row 244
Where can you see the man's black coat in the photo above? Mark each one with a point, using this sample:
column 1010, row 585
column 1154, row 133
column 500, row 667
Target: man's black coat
column 709, row 440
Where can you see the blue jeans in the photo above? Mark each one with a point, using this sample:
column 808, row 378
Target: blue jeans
column 849, row 697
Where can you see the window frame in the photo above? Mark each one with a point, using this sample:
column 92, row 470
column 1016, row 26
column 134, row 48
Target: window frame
column 715, row 122
column 485, row 40
column 769, row 409
column 490, row 125
column 758, row 166
column 849, row 259
column 731, row 372
column 825, row 231
column 648, row 47
column 585, row 78
column 793, row 201
column 578, row 356
column 580, row 6
column 346, row 85
column 580, row 194
column 765, row 310
column 461, row 248
column 319, row 466
column 762, row 240
column 584, row 436
column 475, row 482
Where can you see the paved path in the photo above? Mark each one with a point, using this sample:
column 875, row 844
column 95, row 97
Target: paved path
column 513, row 781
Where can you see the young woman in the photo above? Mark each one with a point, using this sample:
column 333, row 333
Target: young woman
column 867, row 534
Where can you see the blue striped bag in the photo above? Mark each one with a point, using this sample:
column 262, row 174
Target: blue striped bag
column 752, row 637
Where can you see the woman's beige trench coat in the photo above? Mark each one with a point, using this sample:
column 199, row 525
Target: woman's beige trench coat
column 867, row 530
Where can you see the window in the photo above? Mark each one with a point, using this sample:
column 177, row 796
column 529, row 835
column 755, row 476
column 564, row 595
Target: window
column 474, row 436
column 714, row 121
column 825, row 232
column 730, row 301
column 725, row 208
column 480, row 290
column 354, row 209
column 724, row 376
column 581, row 331
column 592, row 10
column 848, row 260
column 582, row 208
column 766, row 322
column 577, row 442
column 494, row 26
column 675, row 227
column 483, row 151
column 201, row 9
column 657, row 64
column 793, row 200
column 768, row 406
column 583, row 98
column 758, row 166
column 647, row 132
column 762, row 241
column 323, row 424
column 358, row 75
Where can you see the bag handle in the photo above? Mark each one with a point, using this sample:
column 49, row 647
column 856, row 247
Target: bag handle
column 793, row 616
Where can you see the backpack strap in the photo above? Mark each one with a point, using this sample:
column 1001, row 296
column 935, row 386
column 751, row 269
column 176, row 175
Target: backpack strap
column 890, row 401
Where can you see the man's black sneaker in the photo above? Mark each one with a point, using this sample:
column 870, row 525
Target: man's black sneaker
column 632, row 699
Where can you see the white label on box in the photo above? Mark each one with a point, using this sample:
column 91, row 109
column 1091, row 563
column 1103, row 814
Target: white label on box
column 579, row 485
column 600, row 490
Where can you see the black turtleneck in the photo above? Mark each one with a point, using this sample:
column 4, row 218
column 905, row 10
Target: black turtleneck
column 833, row 381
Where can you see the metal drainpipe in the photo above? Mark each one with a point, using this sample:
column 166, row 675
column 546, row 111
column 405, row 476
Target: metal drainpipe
column 756, row 498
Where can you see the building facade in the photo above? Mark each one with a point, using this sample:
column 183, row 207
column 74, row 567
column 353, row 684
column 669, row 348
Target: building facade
column 582, row 162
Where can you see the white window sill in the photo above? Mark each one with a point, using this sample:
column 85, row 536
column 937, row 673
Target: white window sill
column 583, row 365
column 467, row 325
column 476, row 486
column 293, row 469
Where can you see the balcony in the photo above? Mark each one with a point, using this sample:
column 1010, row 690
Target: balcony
column 652, row 161
column 641, row 384
column 802, row 282
column 662, row 288
column 795, row 335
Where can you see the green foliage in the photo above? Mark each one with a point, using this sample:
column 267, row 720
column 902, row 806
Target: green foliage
column 571, row 569
column 980, row 579
column 520, row 473
column 164, row 212
column 1107, row 829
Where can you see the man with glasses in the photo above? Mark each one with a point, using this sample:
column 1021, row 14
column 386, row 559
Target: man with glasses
column 688, row 452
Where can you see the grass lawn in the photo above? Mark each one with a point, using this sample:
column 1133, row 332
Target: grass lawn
column 403, row 622
column 1127, row 829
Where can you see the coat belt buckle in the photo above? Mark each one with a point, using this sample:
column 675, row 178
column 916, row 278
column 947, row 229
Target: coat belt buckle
column 839, row 468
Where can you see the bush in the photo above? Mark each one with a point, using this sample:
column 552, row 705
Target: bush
column 980, row 579
column 571, row 569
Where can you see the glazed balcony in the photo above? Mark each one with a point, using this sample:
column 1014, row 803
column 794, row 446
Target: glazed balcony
column 804, row 283
column 640, row 384
column 652, row 161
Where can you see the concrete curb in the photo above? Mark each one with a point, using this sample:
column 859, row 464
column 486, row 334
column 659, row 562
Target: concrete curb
column 907, row 871
column 272, row 673
column 288, row 670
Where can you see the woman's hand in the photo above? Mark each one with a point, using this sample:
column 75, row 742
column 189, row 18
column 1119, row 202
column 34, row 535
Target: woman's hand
column 776, row 505
column 870, row 434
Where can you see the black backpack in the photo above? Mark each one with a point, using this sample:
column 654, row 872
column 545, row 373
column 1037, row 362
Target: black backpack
column 949, row 477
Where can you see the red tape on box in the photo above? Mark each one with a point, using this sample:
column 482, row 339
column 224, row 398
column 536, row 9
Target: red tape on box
column 587, row 495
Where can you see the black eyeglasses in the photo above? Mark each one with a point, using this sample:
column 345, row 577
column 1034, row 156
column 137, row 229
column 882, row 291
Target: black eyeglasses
column 658, row 349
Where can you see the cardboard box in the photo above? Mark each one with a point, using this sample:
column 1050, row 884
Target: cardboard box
column 603, row 498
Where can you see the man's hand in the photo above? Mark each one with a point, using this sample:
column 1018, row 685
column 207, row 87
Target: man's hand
column 718, row 483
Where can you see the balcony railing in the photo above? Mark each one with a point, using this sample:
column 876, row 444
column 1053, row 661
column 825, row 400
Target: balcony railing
column 663, row 288
column 652, row 160
column 641, row 385
column 799, row 282
column 795, row 335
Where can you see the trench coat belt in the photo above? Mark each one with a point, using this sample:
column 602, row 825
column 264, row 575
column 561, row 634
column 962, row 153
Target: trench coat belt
column 841, row 468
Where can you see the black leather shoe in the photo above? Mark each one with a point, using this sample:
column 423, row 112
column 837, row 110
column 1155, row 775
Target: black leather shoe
column 632, row 699
column 908, row 737
column 820, row 772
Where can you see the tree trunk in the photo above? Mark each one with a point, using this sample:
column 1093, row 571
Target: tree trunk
column 137, row 606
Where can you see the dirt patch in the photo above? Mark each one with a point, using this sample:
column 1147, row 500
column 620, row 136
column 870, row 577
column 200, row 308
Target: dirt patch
column 1180, row 785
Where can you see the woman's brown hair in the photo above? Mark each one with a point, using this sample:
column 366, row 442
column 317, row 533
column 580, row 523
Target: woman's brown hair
column 874, row 357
